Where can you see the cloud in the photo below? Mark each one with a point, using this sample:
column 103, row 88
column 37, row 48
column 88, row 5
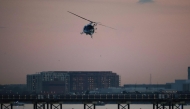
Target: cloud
column 145, row 1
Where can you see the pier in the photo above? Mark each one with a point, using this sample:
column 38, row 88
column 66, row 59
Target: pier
column 39, row 101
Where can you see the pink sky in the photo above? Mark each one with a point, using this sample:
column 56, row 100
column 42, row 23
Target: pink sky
column 40, row 35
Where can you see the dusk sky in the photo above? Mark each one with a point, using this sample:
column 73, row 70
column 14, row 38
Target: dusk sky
column 152, row 37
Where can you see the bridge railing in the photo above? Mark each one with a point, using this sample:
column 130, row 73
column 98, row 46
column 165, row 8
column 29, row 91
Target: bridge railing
column 97, row 96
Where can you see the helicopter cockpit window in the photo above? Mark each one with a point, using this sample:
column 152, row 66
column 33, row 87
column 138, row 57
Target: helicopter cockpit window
column 89, row 27
column 85, row 27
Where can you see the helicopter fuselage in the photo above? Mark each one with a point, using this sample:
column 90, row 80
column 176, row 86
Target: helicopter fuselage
column 89, row 29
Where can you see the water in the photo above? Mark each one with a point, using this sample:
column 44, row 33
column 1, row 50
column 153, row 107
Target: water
column 108, row 106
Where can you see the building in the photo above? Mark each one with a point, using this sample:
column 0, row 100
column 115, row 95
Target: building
column 71, row 81
column 186, row 86
column 32, row 82
column 181, row 85
column 48, row 82
column 188, row 73
column 82, row 81
column 13, row 89
column 146, row 88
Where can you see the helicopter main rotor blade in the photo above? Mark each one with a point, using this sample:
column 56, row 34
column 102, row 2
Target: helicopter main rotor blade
column 81, row 17
column 106, row 26
column 95, row 23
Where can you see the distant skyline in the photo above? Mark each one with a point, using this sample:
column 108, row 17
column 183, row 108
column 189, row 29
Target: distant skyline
column 152, row 37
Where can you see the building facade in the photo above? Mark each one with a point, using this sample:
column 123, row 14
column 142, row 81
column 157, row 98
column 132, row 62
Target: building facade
column 48, row 82
column 71, row 81
column 33, row 82
column 90, row 80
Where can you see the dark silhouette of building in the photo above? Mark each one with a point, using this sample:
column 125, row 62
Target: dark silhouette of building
column 53, row 87
column 13, row 89
column 148, row 86
column 48, row 82
column 188, row 73
column 71, row 81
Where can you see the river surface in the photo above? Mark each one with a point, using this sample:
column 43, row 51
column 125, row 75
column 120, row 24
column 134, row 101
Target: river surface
column 108, row 106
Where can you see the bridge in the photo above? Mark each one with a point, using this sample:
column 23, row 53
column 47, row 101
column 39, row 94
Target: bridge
column 90, row 101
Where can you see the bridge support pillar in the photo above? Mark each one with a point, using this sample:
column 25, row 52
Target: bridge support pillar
column 6, row 106
column 178, row 105
column 47, row 105
column 171, row 105
column 56, row 106
column 39, row 105
column 89, row 106
column 159, row 105
column 124, row 106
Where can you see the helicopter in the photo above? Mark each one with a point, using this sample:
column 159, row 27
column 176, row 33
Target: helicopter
column 89, row 29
